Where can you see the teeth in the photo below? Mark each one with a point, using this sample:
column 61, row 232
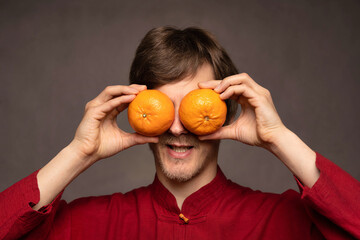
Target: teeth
column 180, row 149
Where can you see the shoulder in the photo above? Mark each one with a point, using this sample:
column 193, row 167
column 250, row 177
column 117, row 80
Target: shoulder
column 235, row 190
column 283, row 212
column 114, row 202
column 255, row 200
column 97, row 214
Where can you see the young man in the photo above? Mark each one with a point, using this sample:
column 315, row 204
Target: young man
column 190, row 197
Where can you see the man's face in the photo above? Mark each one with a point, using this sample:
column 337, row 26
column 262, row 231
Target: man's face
column 179, row 155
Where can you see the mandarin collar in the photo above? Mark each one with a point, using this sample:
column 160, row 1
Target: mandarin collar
column 198, row 203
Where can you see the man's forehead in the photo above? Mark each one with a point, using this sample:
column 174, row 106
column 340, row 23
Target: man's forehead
column 204, row 73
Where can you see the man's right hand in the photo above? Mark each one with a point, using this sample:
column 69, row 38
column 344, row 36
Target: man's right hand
column 98, row 135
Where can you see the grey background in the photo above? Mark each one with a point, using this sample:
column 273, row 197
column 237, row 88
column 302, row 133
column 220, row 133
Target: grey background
column 57, row 55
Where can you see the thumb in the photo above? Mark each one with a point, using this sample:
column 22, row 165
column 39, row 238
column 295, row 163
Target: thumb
column 135, row 139
column 226, row 132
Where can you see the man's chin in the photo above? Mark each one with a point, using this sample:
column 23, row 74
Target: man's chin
column 179, row 172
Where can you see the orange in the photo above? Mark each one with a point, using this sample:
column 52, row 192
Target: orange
column 202, row 111
column 151, row 113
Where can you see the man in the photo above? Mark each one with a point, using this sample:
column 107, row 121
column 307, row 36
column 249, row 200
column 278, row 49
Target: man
column 190, row 197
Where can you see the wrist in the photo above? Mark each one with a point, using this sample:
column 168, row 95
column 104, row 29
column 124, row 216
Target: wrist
column 284, row 141
column 60, row 172
column 84, row 160
column 296, row 155
column 278, row 140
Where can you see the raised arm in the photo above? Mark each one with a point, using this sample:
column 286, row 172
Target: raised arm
column 97, row 137
column 260, row 125
column 330, row 195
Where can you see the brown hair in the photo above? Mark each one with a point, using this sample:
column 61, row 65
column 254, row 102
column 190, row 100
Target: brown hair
column 168, row 54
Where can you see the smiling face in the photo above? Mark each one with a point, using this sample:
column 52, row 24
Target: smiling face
column 179, row 155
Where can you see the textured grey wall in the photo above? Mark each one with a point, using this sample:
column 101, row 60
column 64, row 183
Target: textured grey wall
column 57, row 55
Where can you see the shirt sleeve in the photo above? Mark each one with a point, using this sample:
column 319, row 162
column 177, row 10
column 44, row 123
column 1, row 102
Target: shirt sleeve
column 335, row 197
column 17, row 218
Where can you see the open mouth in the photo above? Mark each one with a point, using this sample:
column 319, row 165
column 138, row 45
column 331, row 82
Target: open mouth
column 179, row 149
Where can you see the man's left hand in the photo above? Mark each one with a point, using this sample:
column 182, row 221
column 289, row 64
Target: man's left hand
column 259, row 123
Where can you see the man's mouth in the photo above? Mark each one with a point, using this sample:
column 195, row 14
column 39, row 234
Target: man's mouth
column 179, row 148
column 179, row 151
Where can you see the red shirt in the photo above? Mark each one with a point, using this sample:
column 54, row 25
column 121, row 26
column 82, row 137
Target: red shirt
column 220, row 210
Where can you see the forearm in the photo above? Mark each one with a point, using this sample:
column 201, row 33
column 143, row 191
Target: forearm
column 297, row 156
column 59, row 173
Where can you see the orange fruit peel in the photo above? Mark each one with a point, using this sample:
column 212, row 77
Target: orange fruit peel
column 202, row 111
column 151, row 113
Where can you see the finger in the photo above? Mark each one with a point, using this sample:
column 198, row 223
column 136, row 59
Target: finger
column 242, row 78
column 118, row 110
column 115, row 103
column 226, row 132
column 114, row 113
column 237, row 91
column 111, row 92
column 138, row 87
column 122, row 107
column 209, row 84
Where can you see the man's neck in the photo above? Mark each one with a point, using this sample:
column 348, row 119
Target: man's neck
column 181, row 190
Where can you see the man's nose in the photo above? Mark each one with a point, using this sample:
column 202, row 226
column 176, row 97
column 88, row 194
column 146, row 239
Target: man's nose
column 177, row 128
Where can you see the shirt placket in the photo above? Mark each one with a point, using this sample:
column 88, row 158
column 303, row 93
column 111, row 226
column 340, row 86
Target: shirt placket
column 180, row 230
